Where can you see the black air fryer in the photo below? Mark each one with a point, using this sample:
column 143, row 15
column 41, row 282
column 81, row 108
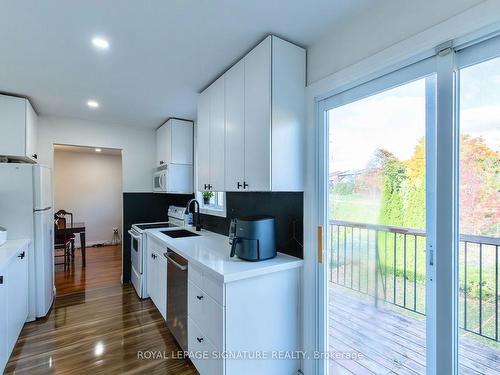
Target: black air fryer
column 253, row 238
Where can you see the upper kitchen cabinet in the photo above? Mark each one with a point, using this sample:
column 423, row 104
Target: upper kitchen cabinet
column 210, row 137
column 174, row 143
column 18, row 126
column 264, row 121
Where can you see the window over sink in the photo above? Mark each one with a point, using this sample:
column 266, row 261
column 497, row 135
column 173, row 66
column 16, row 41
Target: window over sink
column 212, row 202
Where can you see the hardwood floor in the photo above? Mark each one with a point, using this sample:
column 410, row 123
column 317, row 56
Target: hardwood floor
column 103, row 269
column 97, row 326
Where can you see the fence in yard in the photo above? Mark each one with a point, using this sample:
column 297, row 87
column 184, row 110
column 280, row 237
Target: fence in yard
column 389, row 264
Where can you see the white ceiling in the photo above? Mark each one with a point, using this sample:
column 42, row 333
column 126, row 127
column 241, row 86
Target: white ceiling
column 163, row 52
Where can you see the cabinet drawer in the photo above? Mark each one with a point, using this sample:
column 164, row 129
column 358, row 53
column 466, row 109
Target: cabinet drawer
column 207, row 314
column 206, row 283
column 200, row 346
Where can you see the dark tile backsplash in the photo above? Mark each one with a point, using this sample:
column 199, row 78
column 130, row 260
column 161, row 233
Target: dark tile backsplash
column 287, row 208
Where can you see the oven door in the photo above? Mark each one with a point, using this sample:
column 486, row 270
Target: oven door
column 136, row 250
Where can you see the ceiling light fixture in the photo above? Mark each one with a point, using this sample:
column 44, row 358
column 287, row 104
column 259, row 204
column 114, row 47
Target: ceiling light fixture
column 100, row 43
column 93, row 104
column 98, row 150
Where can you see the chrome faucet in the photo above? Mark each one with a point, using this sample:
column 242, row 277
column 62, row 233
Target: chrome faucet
column 197, row 211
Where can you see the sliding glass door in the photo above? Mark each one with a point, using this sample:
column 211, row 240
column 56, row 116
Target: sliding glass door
column 409, row 219
column 375, row 223
column 479, row 221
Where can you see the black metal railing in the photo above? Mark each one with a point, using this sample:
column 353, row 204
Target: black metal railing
column 389, row 264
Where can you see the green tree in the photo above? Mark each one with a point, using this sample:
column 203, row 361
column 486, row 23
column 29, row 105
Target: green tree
column 394, row 176
column 414, row 210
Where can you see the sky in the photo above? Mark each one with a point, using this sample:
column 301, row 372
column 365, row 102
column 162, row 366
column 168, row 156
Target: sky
column 395, row 119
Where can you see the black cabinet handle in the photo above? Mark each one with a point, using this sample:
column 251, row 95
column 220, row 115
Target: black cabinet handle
column 34, row 156
column 161, row 162
column 21, row 255
column 209, row 187
column 200, row 339
column 239, row 185
column 199, row 297
column 1, row 279
column 245, row 185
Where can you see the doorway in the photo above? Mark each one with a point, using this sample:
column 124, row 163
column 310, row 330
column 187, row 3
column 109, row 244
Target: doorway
column 88, row 196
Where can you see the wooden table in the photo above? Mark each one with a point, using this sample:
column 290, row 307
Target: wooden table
column 74, row 229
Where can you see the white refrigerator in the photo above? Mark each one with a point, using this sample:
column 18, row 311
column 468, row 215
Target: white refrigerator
column 26, row 211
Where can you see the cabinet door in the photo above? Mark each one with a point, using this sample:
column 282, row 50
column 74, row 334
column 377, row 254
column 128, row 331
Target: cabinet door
column 217, row 125
column 203, row 140
column 151, row 272
column 31, row 132
column 3, row 321
column 17, row 297
column 12, row 126
column 235, row 127
column 258, row 117
column 162, row 145
column 182, row 142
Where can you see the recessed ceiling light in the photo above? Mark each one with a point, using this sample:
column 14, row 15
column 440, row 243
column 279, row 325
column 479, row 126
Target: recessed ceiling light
column 100, row 43
column 92, row 104
column 98, row 150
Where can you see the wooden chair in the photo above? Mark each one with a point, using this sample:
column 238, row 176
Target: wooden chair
column 65, row 240
column 60, row 243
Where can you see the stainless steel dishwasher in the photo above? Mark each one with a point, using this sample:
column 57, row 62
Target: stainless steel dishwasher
column 177, row 276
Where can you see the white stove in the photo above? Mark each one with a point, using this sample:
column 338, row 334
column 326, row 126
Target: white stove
column 138, row 247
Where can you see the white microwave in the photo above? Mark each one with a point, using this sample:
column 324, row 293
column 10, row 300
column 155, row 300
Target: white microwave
column 174, row 178
column 160, row 181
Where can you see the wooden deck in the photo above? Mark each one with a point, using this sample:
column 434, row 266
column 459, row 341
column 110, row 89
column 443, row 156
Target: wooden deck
column 389, row 341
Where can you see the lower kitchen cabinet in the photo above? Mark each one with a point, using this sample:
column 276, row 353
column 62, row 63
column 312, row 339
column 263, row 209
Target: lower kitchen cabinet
column 256, row 316
column 157, row 275
column 13, row 301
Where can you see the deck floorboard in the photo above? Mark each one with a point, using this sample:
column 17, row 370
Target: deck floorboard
column 390, row 341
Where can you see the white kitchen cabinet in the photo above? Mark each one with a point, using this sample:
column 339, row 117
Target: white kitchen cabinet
column 4, row 353
column 18, row 126
column 174, row 143
column 235, row 127
column 263, row 118
column 13, row 301
column 203, row 141
column 162, row 142
column 157, row 276
column 257, row 150
column 233, row 318
column 210, row 137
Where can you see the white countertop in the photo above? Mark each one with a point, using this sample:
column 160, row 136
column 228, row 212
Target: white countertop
column 10, row 248
column 210, row 251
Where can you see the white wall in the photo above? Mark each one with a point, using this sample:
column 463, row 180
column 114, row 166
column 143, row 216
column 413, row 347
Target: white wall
column 137, row 145
column 89, row 185
column 385, row 24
